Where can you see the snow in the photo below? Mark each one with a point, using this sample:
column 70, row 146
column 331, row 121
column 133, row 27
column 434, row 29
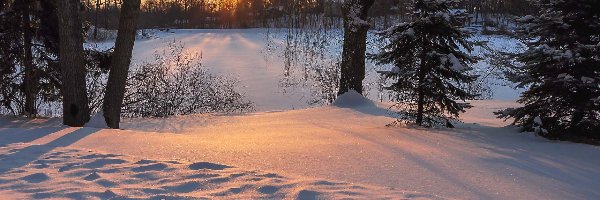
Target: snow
column 351, row 99
column 538, row 121
column 355, row 22
column 340, row 151
column 526, row 18
column 241, row 54
column 97, row 121
column 565, row 76
column 587, row 80
column 393, row 71
column 410, row 32
column 332, row 152
column 492, row 75
column 455, row 64
column 245, row 55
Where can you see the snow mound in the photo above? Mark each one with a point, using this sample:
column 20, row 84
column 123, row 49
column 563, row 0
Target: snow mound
column 358, row 102
column 325, row 153
column 97, row 121
column 352, row 99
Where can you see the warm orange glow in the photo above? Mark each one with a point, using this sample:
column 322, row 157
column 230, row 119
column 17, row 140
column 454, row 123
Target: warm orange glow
column 218, row 4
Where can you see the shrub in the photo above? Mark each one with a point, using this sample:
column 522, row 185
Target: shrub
column 176, row 83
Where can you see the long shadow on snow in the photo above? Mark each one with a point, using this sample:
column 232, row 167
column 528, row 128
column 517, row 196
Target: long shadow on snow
column 16, row 135
column 16, row 130
column 31, row 153
column 368, row 107
column 558, row 161
column 419, row 161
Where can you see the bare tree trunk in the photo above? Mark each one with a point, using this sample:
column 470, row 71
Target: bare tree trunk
column 421, row 94
column 96, row 19
column 115, row 89
column 30, row 80
column 75, row 100
column 355, row 44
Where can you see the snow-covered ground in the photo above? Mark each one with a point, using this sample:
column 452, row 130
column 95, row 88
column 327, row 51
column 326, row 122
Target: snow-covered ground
column 256, row 57
column 332, row 152
column 339, row 151
column 236, row 53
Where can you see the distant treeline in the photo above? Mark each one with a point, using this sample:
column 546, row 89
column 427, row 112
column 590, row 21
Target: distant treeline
column 283, row 13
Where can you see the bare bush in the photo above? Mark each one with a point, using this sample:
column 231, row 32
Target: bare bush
column 311, row 62
column 176, row 83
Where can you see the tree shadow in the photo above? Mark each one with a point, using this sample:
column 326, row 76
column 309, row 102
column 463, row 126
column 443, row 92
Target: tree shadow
column 23, row 135
column 21, row 122
column 562, row 167
column 370, row 108
column 22, row 130
column 24, row 156
column 570, row 164
column 439, row 171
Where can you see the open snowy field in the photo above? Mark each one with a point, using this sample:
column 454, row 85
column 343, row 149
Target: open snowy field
column 289, row 149
column 340, row 151
column 240, row 54
column 256, row 57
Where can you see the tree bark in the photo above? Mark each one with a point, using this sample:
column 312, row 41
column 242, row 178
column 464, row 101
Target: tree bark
column 355, row 44
column 421, row 75
column 29, row 79
column 421, row 94
column 115, row 89
column 75, row 100
column 96, row 19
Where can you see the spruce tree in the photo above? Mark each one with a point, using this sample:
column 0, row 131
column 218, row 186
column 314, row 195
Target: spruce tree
column 28, row 50
column 561, row 71
column 430, row 68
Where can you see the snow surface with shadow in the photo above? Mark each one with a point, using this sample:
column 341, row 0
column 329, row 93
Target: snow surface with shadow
column 247, row 55
column 355, row 101
column 93, row 175
column 332, row 152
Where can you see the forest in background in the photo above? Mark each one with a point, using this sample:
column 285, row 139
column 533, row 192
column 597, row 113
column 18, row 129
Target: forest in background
column 44, row 60
column 285, row 13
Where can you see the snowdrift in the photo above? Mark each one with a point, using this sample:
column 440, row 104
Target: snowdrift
column 332, row 152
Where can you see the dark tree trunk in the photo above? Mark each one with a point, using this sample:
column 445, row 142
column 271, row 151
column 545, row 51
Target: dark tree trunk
column 355, row 45
column 97, row 11
column 421, row 75
column 75, row 100
column 579, row 100
column 30, row 81
column 115, row 89
column 421, row 94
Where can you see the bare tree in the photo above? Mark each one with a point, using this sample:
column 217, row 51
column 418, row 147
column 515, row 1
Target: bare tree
column 30, row 85
column 117, row 78
column 96, row 12
column 355, row 44
column 75, row 101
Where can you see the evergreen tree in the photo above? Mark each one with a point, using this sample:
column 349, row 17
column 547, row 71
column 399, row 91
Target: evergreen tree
column 28, row 38
column 561, row 71
column 32, row 82
column 10, row 57
column 430, row 69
